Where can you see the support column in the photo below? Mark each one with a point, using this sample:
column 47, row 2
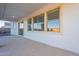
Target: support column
column 45, row 21
column 25, row 27
column 32, row 25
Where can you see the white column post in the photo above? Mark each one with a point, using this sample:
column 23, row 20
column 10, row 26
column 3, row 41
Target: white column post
column 45, row 21
column 25, row 27
column 32, row 25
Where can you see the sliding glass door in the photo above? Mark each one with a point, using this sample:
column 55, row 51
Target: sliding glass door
column 20, row 28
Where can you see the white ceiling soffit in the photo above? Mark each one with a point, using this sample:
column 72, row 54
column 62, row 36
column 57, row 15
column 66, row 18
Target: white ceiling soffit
column 13, row 11
column 2, row 10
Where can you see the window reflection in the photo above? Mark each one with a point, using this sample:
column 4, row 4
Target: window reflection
column 39, row 23
column 21, row 25
column 53, row 20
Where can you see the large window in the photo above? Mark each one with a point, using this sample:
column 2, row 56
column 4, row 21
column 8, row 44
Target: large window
column 53, row 21
column 39, row 23
column 21, row 25
column 53, row 24
column 30, row 24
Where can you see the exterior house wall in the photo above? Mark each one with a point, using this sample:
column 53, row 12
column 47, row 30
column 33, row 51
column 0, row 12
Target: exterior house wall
column 68, row 37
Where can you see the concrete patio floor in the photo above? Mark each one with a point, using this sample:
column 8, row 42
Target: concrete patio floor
column 19, row 46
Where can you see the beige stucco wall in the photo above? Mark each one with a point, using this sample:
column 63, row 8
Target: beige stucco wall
column 68, row 37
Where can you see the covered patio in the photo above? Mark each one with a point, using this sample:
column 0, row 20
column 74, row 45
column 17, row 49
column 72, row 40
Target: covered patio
column 20, row 46
column 40, row 29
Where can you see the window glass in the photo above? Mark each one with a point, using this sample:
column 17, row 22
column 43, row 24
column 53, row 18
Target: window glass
column 53, row 20
column 21, row 25
column 39, row 23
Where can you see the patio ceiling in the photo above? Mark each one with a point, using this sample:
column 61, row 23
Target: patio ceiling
column 13, row 11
